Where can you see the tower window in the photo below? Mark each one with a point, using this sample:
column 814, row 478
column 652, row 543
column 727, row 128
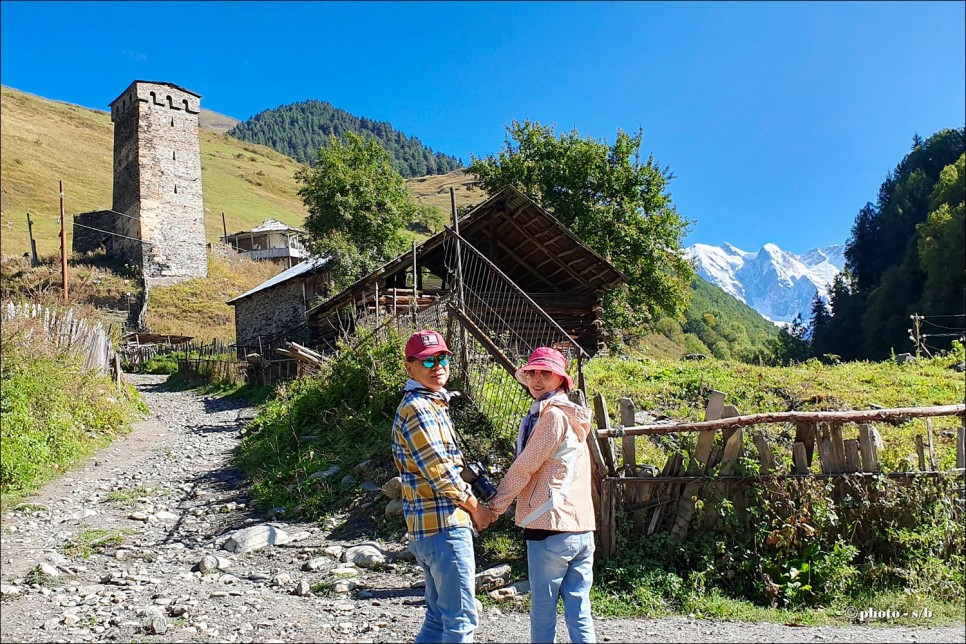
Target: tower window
column 174, row 155
column 172, row 122
column 176, row 190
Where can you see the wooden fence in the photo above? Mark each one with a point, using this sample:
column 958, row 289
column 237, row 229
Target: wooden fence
column 70, row 333
column 213, row 361
column 667, row 500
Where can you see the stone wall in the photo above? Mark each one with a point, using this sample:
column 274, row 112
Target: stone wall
column 268, row 313
column 157, row 181
column 86, row 240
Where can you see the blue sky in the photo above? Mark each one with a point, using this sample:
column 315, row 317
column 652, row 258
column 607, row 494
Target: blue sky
column 779, row 120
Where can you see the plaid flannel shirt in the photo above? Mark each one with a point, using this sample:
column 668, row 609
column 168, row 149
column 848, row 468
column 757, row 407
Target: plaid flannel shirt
column 429, row 463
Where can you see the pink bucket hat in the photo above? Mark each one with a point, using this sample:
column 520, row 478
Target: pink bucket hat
column 546, row 359
column 423, row 344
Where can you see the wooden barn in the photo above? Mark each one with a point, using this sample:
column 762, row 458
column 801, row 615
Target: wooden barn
column 511, row 274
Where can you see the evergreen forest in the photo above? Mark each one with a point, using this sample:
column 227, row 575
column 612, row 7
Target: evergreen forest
column 904, row 282
column 299, row 130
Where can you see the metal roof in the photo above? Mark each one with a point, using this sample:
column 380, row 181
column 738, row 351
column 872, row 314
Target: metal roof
column 267, row 226
column 302, row 269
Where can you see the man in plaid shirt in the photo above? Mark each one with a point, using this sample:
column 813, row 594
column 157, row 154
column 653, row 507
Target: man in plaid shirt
column 440, row 508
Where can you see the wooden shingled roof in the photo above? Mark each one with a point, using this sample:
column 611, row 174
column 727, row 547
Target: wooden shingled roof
column 525, row 241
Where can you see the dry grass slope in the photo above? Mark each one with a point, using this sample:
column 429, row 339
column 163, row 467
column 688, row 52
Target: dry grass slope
column 44, row 141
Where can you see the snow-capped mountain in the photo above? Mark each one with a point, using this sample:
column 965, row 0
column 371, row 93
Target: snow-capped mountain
column 774, row 282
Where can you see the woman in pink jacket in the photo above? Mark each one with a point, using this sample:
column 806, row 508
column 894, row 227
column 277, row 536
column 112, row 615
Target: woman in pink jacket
column 551, row 483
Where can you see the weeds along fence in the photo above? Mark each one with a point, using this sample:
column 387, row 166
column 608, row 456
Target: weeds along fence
column 213, row 361
column 733, row 454
column 71, row 333
column 138, row 348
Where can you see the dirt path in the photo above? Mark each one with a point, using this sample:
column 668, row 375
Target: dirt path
column 124, row 540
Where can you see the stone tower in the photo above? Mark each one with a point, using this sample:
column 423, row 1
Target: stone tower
column 157, row 182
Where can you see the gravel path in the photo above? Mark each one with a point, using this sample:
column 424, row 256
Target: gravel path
column 154, row 523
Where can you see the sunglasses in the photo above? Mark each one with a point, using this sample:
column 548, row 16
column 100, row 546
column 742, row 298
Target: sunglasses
column 431, row 361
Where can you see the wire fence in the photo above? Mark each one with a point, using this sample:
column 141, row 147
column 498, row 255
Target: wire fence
column 924, row 329
column 494, row 326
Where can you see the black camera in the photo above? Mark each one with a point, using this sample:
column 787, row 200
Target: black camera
column 475, row 475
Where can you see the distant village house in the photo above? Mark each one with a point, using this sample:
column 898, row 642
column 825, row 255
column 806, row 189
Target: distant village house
column 272, row 241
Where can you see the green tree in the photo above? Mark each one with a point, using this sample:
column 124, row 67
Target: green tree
column 611, row 200
column 358, row 206
column 792, row 344
column 942, row 244
column 818, row 326
column 905, row 254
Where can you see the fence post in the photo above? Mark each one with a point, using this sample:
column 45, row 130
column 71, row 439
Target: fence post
column 870, row 454
column 699, row 462
column 628, row 444
column 606, row 443
column 920, row 451
column 960, row 447
column 800, row 458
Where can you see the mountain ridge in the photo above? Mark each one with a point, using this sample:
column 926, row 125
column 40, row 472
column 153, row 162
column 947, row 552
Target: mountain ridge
column 776, row 283
column 299, row 129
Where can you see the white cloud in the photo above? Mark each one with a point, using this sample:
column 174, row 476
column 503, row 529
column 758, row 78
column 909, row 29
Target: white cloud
column 134, row 55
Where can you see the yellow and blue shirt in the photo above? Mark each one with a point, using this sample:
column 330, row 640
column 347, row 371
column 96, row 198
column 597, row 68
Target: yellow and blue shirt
column 429, row 462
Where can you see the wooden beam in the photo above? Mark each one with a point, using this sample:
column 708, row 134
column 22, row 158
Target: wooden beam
column 900, row 413
column 525, row 264
column 483, row 339
column 529, row 235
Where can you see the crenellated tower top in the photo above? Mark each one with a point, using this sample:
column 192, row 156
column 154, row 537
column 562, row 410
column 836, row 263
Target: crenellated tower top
column 161, row 94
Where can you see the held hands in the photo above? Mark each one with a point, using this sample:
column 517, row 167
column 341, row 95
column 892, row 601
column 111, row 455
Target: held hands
column 482, row 517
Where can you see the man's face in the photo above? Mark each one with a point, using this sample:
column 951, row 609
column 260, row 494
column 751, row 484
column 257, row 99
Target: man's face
column 433, row 377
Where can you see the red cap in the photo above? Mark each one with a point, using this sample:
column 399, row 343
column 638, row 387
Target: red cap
column 423, row 344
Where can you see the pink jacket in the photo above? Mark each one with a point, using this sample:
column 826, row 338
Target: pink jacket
column 551, row 479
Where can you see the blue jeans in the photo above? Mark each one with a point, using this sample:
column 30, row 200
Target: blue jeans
column 562, row 565
column 450, row 570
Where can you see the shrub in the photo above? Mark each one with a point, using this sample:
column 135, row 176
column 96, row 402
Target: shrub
column 54, row 412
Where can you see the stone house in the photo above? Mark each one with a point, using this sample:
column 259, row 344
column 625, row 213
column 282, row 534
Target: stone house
column 271, row 240
column 275, row 310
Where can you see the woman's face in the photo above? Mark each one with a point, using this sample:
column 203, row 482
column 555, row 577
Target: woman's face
column 540, row 381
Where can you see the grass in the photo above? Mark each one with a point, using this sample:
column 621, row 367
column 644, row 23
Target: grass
column 102, row 287
column 127, row 495
column 91, row 542
column 852, row 556
column 55, row 414
column 38, row 577
column 679, row 390
column 197, row 307
column 44, row 141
